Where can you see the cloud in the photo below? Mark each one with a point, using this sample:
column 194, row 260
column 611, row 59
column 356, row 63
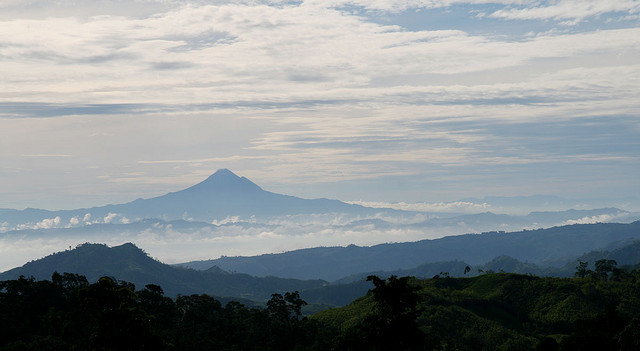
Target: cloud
column 569, row 11
column 46, row 223
column 306, row 92
column 109, row 217
column 271, row 46
column 233, row 219
column 604, row 218
column 457, row 207
column 16, row 252
column 170, row 245
column 187, row 241
column 74, row 221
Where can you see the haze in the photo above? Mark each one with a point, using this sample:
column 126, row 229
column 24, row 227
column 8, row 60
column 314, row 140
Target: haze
column 416, row 105
column 415, row 101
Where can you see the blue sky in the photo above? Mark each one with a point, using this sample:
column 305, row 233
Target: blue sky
column 379, row 100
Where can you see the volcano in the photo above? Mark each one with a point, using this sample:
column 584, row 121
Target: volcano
column 223, row 195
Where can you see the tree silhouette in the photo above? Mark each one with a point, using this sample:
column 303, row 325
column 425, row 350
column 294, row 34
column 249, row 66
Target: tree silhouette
column 581, row 269
column 286, row 307
column 604, row 268
column 393, row 324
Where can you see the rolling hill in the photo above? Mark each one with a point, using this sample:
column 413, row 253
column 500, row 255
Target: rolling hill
column 129, row 263
column 552, row 246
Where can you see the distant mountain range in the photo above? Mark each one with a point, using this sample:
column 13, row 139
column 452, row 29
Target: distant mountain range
column 526, row 204
column 626, row 255
column 547, row 247
column 554, row 251
column 227, row 213
column 224, row 195
column 472, row 222
column 129, row 263
column 221, row 195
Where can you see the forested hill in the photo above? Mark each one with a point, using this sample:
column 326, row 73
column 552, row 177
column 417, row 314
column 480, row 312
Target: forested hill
column 597, row 310
column 129, row 263
column 600, row 310
column 627, row 255
column 533, row 246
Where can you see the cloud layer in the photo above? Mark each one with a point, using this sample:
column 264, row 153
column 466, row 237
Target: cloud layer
column 349, row 99
column 182, row 241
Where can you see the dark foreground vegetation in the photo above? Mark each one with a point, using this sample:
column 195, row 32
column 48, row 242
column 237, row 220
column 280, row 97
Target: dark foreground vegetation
column 596, row 310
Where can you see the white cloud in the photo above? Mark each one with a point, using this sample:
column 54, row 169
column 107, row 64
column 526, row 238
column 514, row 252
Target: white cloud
column 232, row 219
column 305, row 92
column 304, row 51
column 109, row 217
column 74, row 221
column 16, row 252
column 48, row 223
column 171, row 245
column 593, row 219
column 457, row 207
column 574, row 11
column 404, row 5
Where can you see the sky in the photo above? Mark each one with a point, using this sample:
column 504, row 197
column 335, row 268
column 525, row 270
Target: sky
column 360, row 100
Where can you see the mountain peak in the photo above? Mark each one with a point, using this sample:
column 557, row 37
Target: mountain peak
column 225, row 181
column 223, row 173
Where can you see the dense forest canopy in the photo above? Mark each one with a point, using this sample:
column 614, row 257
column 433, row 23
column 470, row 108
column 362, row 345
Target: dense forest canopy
column 596, row 310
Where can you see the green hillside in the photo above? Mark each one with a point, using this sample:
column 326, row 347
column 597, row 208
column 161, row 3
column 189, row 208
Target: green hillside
column 496, row 311
column 597, row 310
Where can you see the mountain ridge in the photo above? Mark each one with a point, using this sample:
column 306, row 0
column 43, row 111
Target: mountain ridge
column 129, row 263
column 224, row 195
column 221, row 195
column 536, row 246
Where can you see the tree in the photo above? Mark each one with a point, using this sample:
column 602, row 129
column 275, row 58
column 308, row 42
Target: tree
column 286, row 307
column 393, row 324
column 69, row 280
column 112, row 319
column 603, row 268
column 581, row 269
column 294, row 303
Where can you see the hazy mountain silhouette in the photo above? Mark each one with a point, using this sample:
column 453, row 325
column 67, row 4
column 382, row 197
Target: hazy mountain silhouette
column 626, row 255
column 129, row 263
column 543, row 246
column 221, row 195
column 225, row 194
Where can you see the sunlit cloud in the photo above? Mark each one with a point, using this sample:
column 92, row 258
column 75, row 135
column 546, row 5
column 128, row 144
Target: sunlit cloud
column 572, row 11
column 187, row 241
column 149, row 96
column 591, row 219
column 456, row 207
